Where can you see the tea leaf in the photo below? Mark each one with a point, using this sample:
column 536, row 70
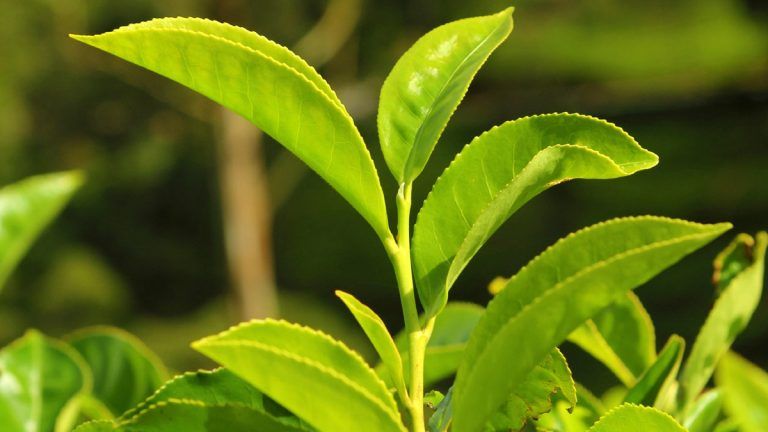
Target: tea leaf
column 621, row 336
column 26, row 208
column 266, row 84
column 635, row 418
column 704, row 413
column 427, row 84
column 125, row 371
column 658, row 376
column 730, row 315
column 556, row 292
column 41, row 378
column 379, row 336
column 744, row 387
column 496, row 174
column 309, row 373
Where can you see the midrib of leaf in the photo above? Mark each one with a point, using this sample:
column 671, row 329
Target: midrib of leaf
column 460, row 261
column 584, row 272
column 322, row 369
column 420, row 131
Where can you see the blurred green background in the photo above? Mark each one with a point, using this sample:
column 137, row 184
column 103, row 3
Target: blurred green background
column 143, row 245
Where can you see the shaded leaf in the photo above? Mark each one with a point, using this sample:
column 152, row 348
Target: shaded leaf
column 40, row 379
column 26, row 208
column 556, row 292
column 729, row 316
column 635, row 418
column 659, row 375
column 496, row 174
column 266, row 84
column 314, row 376
column 621, row 336
column 744, row 388
column 441, row 418
column 427, row 84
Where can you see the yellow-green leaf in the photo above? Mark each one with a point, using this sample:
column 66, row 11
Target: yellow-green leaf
column 635, row 418
column 744, row 387
column 658, row 378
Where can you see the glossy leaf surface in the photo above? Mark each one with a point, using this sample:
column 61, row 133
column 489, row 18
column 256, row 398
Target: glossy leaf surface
column 379, row 336
column 730, row 315
column 555, row 293
column 266, row 84
column 659, row 375
column 125, row 371
column 26, row 208
column 314, row 376
column 635, row 418
column 621, row 336
column 427, row 84
column 39, row 378
column 744, row 387
column 496, row 174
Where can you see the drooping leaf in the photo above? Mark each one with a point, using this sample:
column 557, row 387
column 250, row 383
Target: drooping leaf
column 449, row 338
column 635, row 418
column 659, row 375
column 309, row 373
column 704, row 413
column 39, row 379
column 555, row 293
column 534, row 396
column 730, row 315
column 427, row 84
column 621, row 336
column 496, row 174
column 266, row 84
column 125, row 371
column 26, row 208
column 744, row 387
column 379, row 336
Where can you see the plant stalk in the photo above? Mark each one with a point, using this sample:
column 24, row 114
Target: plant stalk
column 418, row 337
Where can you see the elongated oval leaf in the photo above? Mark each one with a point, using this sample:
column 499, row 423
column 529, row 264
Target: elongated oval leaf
column 728, row 317
column 26, row 208
column 635, row 418
column 704, row 413
column 621, row 336
column 379, row 336
column 427, row 84
column 39, row 378
column 657, row 378
column 555, row 293
column 125, row 371
column 744, row 387
column 267, row 85
column 496, row 174
column 309, row 373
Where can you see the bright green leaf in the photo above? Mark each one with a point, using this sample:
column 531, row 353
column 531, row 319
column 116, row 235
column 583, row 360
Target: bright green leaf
column 534, row 396
column 705, row 412
column 635, row 418
column 621, row 336
column 566, row 418
column 39, row 379
column 556, row 292
column 730, row 315
column 125, row 371
column 379, row 336
column 744, row 387
column 441, row 418
column 496, row 174
column 266, row 84
column 659, row 375
column 309, row 373
column 427, row 84
column 26, row 208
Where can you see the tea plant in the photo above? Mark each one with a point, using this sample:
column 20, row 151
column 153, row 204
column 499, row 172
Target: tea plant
column 509, row 373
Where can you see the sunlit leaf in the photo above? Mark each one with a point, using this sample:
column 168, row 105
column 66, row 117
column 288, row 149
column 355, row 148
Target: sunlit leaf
column 635, row 418
column 314, row 376
column 744, row 387
column 26, row 208
column 658, row 376
column 705, row 412
column 266, row 84
column 730, row 315
column 496, row 174
column 39, row 379
column 555, row 293
column 428, row 83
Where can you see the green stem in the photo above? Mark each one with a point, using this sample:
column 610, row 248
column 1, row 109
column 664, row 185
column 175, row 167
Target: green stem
column 418, row 337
